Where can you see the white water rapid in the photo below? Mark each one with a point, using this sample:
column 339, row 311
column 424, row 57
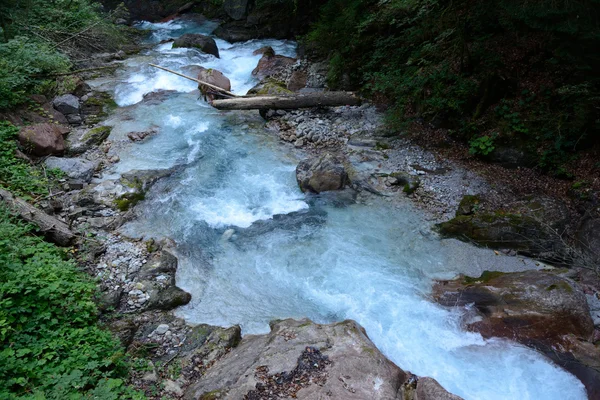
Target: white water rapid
column 326, row 258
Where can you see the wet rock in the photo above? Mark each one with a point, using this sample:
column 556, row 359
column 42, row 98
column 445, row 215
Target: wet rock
column 167, row 299
column 158, row 97
column 195, row 40
column 74, row 168
column 43, row 139
column 430, row 389
column 214, row 77
column 321, row 174
column 265, row 50
column 236, row 9
column 304, row 360
column 81, row 140
column 139, row 136
column 538, row 309
column 67, row 104
column 522, row 305
column 271, row 65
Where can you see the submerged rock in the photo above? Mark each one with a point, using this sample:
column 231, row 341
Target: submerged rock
column 304, row 360
column 198, row 41
column 321, row 174
column 43, row 139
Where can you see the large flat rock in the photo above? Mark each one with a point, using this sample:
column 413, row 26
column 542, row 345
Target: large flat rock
column 304, row 360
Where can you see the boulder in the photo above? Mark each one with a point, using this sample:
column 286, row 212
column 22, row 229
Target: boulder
column 321, row 174
column 270, row 65
column 67, row 104
column 531, row 226
column 538, row 309
column 236, row 9
column 268, row 50
column 74, row 168
column 82, row 140
column 198, row 41
column 297, row 81
column 304, row 360
column 43, row 139
column 269, row 86
column 522, row 305
column 214, row 77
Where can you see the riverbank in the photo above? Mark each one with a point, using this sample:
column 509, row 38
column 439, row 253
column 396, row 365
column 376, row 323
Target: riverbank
column 139, row 276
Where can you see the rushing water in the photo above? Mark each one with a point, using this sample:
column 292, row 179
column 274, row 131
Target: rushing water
column 327, row 258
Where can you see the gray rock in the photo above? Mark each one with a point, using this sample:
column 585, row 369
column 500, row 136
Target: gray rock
column 321, row 174
column 172, row 387
column 74, row 168
column 305, row 360
column 67, row 104
column 196, row 40
column 80, row 140
column 430, row 389
column 161, row 329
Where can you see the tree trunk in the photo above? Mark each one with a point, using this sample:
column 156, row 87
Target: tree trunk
column 328, row 99
column 55, row 230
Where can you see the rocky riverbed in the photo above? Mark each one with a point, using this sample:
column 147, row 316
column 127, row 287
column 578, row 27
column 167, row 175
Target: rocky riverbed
column 304, row 359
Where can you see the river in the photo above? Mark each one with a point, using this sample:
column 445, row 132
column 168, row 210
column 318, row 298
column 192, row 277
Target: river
column 328, row 258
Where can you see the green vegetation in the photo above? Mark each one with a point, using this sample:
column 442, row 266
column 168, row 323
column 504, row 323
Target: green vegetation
column 16, row 174
column 507, row 72
column 51, row 346
column 37, row 37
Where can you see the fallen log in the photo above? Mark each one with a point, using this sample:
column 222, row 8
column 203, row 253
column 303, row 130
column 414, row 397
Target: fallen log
column 325, row 99
column 218, row 89
column 55, row 230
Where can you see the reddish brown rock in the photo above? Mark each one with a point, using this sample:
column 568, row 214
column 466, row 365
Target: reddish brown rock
column 43, row 139
column 297, row 81
column 270, row 65
column 268, row 50
column 214, row 77
column 538, row 309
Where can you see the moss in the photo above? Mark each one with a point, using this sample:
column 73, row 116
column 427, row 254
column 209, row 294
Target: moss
column 564, row 286
column 468, row 205
column 97, row 135
column 368, row 350
column 129, row 200
column 411, row 186
column 382, row 146
column 214, row 395
column 485, row 277
column 270, row 87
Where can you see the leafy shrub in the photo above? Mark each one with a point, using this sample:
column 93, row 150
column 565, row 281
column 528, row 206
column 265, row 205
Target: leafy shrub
column 527, row 70
column 16, row 174
column 483, row 145
column 50, row 345
column 22, row 61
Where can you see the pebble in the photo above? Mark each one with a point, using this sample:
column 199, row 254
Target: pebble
column 161, row 329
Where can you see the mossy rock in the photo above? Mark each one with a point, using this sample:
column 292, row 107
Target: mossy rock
column 96, row 136
column 485, row 277
column 129, row 200
column 468, row 205
column 502, row 231
column 270, row 87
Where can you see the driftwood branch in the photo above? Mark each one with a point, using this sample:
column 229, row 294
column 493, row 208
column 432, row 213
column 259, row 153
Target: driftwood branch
column 55, row 230
column 325, row 99
column 195, row 80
